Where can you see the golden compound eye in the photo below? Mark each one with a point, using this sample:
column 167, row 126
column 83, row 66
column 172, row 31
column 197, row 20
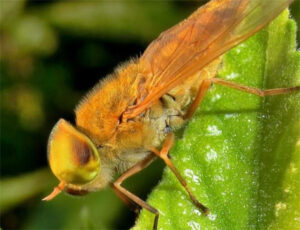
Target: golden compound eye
column 82, row 152
column 72, row 156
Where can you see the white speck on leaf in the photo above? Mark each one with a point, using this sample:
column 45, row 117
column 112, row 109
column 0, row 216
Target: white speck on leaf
column 232, row 76
column 230, row 115
column 297, row 218
column 219, row 178
column 185, row 159
column 212, row 216
column 239, row 48
column 190, row 173
column 194, row 225
column 213, row 131
column 287, row 189
column 278, row 207
column 211, row 155
column 196, row 211
column 216, row 97
column 293, row 168
column 160, row 212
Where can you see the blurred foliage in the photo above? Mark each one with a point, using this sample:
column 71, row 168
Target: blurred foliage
column 19, row 189
column 51, row 53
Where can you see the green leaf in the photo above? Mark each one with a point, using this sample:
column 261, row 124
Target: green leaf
column 240, row 154
column 17, row 190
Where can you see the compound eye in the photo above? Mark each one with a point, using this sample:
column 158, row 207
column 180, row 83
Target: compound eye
column 72, row 156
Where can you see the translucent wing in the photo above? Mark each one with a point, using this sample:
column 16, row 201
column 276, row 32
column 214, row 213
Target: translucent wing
column 187, row 47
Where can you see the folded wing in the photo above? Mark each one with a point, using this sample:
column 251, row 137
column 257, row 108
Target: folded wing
column 186, row 48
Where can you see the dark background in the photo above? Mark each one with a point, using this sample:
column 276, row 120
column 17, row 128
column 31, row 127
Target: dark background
column 52, row 53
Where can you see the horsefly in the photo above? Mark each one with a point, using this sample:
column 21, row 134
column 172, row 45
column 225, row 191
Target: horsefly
column 128, row 120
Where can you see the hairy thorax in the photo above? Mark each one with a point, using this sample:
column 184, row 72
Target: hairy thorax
column 123, row 144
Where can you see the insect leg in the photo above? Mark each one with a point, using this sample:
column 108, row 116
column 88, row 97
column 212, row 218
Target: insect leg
column 133, row 206
column 258, row 92
column 198, row 99
column 130, row 196
column 55, row 191
column 163, row 154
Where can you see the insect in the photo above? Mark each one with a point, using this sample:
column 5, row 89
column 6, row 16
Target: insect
column 128, row 120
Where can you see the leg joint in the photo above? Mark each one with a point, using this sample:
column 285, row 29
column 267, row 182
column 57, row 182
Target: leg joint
column 117, row 184
column 260, row 92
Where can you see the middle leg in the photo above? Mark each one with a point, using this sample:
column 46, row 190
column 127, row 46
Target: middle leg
column 128, row 197
column 163, row 154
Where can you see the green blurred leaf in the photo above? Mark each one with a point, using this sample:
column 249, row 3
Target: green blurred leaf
column 10, row 10
column 34, row 36
column 95, row 211
column 116, row 20
column 240, row 154
column 17, row 190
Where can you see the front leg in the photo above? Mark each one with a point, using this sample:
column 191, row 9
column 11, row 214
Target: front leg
column 132, row 205
column 128, row 196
